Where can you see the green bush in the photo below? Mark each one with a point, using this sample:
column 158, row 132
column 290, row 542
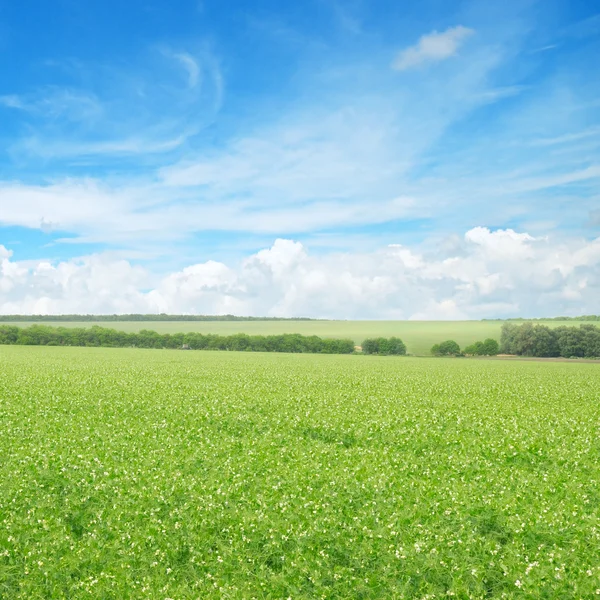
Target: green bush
column 447, row 348
column 489, row 347
column 384, row 346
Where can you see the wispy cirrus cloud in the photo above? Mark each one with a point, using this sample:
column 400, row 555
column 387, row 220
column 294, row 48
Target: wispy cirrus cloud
column 56, row 103
column 132, row 112
column 190, row 66
column 433, row 47
column 592, row 132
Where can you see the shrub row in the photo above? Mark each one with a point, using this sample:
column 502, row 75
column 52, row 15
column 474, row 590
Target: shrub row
column 539, row 340
column 43, row 335
column 489, row 347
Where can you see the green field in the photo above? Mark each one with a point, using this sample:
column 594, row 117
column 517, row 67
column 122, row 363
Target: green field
column 418, row 336
column 160, row 474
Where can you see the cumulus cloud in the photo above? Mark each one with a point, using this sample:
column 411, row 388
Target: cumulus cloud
column 483, row 274
column 432, row 47
column 94, row 284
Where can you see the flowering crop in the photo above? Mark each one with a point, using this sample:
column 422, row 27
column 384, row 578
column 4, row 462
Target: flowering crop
column 154, row 474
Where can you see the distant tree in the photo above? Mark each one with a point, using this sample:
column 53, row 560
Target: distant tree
column 539, row 340
column 508, row 334
column 384, row 346
column 370, row 346
column 475, row 349
column 570, row 341
column 9, row 334
column 489, row 347
column 447, row 348
column 397, row 346
column 536, row 340
column 337, row 346
column 591, row 341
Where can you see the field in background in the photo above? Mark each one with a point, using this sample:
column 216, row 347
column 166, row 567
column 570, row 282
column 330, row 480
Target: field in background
column 418, row 336
column 145, row 473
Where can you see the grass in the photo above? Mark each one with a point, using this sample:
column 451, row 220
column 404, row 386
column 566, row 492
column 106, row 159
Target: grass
column 418, row 336
column 162, row 474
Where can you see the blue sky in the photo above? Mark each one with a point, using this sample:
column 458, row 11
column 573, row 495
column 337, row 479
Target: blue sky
column 169, row 134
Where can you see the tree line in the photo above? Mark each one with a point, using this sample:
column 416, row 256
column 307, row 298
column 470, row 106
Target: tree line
column 542, row 341
column 44, row 335
column 140, row 317
column 95, row 336
column 580, row 318
column 527, row 339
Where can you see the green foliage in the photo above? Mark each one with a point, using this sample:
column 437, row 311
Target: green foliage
column 508, row 334
column 539, row 340
column 447, row 348
column 43, row 335
column 384, row 346
column 134, row 474
column 560, row 338
column 489, row 347
column 418, row 336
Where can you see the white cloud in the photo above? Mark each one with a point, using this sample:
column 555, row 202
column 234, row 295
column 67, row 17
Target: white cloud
column 144, row 213
column 483, row 274
column 93, row 284
column 506, row 243
column 432, row 47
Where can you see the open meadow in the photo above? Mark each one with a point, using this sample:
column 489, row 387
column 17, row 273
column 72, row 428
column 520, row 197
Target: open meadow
column 418, row 336
column 162, row 474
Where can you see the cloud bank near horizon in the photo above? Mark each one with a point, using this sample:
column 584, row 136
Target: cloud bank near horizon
column 483, row 274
